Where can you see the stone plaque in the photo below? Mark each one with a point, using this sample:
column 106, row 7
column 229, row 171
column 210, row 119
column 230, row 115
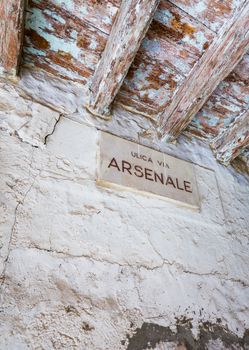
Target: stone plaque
column 127, row 164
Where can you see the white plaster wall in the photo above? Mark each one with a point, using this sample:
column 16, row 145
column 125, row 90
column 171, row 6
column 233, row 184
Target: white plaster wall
column 83, row 266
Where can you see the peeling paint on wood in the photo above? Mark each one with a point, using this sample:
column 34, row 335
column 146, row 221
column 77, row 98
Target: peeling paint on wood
column 230, row 143
column 229, row 100
column 241, row 163
column 211, row 13
column 127, row 33
column 136, row 106
column 61, row 43
column 172, row 46
column 175, row 38
column 11, row 35
column 98, row 13
column 216, row 114
column 150, row 83
column 215, row 64
column 235, row 87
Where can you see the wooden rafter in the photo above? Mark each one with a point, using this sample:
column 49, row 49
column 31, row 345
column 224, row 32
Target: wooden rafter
column 216, row 63
column 233, row 140
column 127, row 33
column 241, row 163
column 11, row 35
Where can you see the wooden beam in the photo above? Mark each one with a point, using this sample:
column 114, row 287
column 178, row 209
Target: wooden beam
column 11, row 35
column 233, row 140
column 216, row 63
column 128, row 30
column 241, row 163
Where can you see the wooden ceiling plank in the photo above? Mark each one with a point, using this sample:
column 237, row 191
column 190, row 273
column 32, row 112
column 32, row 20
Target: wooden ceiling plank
column 241, row 163
column 70, row 51
column 216, row 63
column 128, row 30
column 11, row 35
column 211, row 13
column 233, row 140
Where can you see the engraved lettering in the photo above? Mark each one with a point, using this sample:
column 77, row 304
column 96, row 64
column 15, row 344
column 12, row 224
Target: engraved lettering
column 126, row 166
column 177, row 185
column 147, row 173
column 187, row 187
column 114, row 164
column 159, row 177
column 142, row 169
column 138, row 171
column 170, row 182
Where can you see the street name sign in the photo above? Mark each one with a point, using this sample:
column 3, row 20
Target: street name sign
column 125, row 164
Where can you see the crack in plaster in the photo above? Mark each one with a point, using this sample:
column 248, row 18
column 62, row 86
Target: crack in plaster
column 20, row 202
column 55, row 124
column 165, row 262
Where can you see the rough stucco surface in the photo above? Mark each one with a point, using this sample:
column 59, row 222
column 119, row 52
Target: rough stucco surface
column 84, row 267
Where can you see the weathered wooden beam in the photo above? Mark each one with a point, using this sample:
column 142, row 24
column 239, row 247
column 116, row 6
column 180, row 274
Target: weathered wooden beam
column 233, row 140
column 216, row 63
column 241, row 163
column 128, row 30
column 11, row 35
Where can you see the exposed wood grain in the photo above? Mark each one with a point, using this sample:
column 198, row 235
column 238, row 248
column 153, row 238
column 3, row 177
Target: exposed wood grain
column 235, row 87
column 150, row 84
column 135, row 105
column 241, row 163
column 171, row 47
column 98, row 13
column 216, row 63
column 229, row 100
column 11, row 35
column 230, row 143
column 126, row 35
column 175, row 38
column 61, row 43
column 211, row 13
column 216, row 115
